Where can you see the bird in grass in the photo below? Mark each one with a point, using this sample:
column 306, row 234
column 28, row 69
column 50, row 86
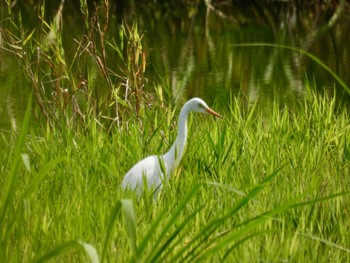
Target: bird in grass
column 154, row 170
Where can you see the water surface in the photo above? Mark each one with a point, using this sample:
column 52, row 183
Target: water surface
column 196, row 53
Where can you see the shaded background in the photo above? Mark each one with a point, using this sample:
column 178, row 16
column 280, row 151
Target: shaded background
column 191, row 49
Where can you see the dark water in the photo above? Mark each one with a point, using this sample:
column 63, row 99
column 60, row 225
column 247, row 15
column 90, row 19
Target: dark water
column 198, row 54
column 207, row 61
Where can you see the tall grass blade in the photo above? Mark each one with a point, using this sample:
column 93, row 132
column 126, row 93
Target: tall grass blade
column 59, row 250
column 321, row 199
column 211, row 249
column 26, row 161
column 112, row 218
column 165, row 250
column 324, row 241
column 255, row 222
column 9, row 188
column 41, row 176
column 155, row 251
column 246, row 238
column 90, row 251
column 148, row 236
column 190, row 252
column 130, row 223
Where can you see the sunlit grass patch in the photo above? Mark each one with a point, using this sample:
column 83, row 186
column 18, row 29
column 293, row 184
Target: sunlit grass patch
column 255, row 186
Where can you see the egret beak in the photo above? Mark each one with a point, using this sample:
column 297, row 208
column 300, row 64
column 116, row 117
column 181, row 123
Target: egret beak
column 210, row 111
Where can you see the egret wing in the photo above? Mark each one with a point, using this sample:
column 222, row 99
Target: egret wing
column 148, row 168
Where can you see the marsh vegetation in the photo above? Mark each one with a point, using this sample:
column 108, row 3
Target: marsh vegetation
column 268, row 182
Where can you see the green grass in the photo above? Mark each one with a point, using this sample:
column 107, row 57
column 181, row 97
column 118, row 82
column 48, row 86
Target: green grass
column 259, row 185
column 263, row 184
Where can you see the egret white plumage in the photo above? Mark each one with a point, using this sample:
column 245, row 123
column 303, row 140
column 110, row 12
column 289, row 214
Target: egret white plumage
column 152, row 168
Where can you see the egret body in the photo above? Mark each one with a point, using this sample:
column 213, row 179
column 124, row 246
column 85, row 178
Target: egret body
column 152, row 168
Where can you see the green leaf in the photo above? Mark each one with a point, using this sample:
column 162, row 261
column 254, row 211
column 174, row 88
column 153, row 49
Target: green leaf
column 58, row 250
column 28, row 38
column 41, row 176
column 130, row 224
column 26, row 161
column 166, row 226
column 9, row 188
column 115, row 212
column 91, row 252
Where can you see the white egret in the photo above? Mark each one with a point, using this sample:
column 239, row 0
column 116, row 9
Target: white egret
column 152, row 168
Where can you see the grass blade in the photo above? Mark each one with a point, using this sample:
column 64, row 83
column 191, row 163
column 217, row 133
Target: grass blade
column 59, row 250
column 41, row 176
column 166, row 249
column 90, row 251
column 171, row 221
column 228, row 251
column 255, row 222
column 130, row 223
column 115, row 212
column 241, row 232
column 190, row 251
column 327, row 242
column 9, row 188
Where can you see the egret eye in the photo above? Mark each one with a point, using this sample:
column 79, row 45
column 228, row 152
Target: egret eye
column 200, row 105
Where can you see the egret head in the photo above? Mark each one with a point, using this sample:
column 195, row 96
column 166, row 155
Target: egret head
column 198, row 105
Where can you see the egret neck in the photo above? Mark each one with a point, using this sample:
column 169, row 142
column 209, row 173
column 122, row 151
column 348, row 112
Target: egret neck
column 176, row 151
